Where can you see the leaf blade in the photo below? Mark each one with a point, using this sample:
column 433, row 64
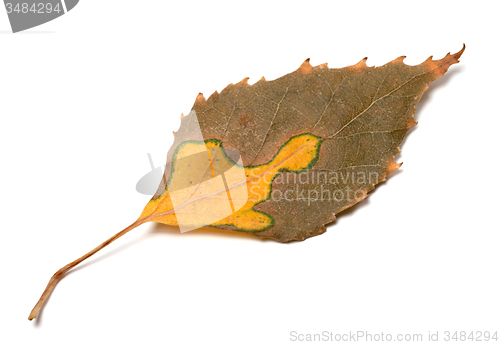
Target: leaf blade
column 360, row 113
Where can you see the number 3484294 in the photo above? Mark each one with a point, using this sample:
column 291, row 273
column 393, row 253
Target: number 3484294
column 470, row 336
column 34, row 8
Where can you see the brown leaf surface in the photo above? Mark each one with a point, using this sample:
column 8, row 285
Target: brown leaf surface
column 362, row 114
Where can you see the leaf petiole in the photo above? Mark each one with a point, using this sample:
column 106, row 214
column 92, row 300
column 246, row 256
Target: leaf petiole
column 59, row 274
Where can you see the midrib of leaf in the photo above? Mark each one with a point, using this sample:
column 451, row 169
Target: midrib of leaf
column 379, row 99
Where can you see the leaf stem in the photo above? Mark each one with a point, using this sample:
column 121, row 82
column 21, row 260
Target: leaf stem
column 59, row 274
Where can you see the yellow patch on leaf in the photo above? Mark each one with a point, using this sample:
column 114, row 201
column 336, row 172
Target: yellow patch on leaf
column 207, row 187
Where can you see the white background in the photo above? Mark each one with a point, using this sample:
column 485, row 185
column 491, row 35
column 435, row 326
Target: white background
column 84, row 98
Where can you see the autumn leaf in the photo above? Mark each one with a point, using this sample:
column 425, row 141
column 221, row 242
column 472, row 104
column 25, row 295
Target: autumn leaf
column 359, row 115
column 280, row 159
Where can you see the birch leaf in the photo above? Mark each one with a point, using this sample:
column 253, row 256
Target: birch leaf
column 357, row 115
column 280, row 159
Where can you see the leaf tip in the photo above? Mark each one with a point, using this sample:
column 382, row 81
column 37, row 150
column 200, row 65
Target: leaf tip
column 360, row 65
column 393, row 166
column 214, row 95
column 305, row 67
column 412, row 122
column 200, row 99
column 439, row 67
column 398, row 60
column 244, row 81
column 460, row 52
